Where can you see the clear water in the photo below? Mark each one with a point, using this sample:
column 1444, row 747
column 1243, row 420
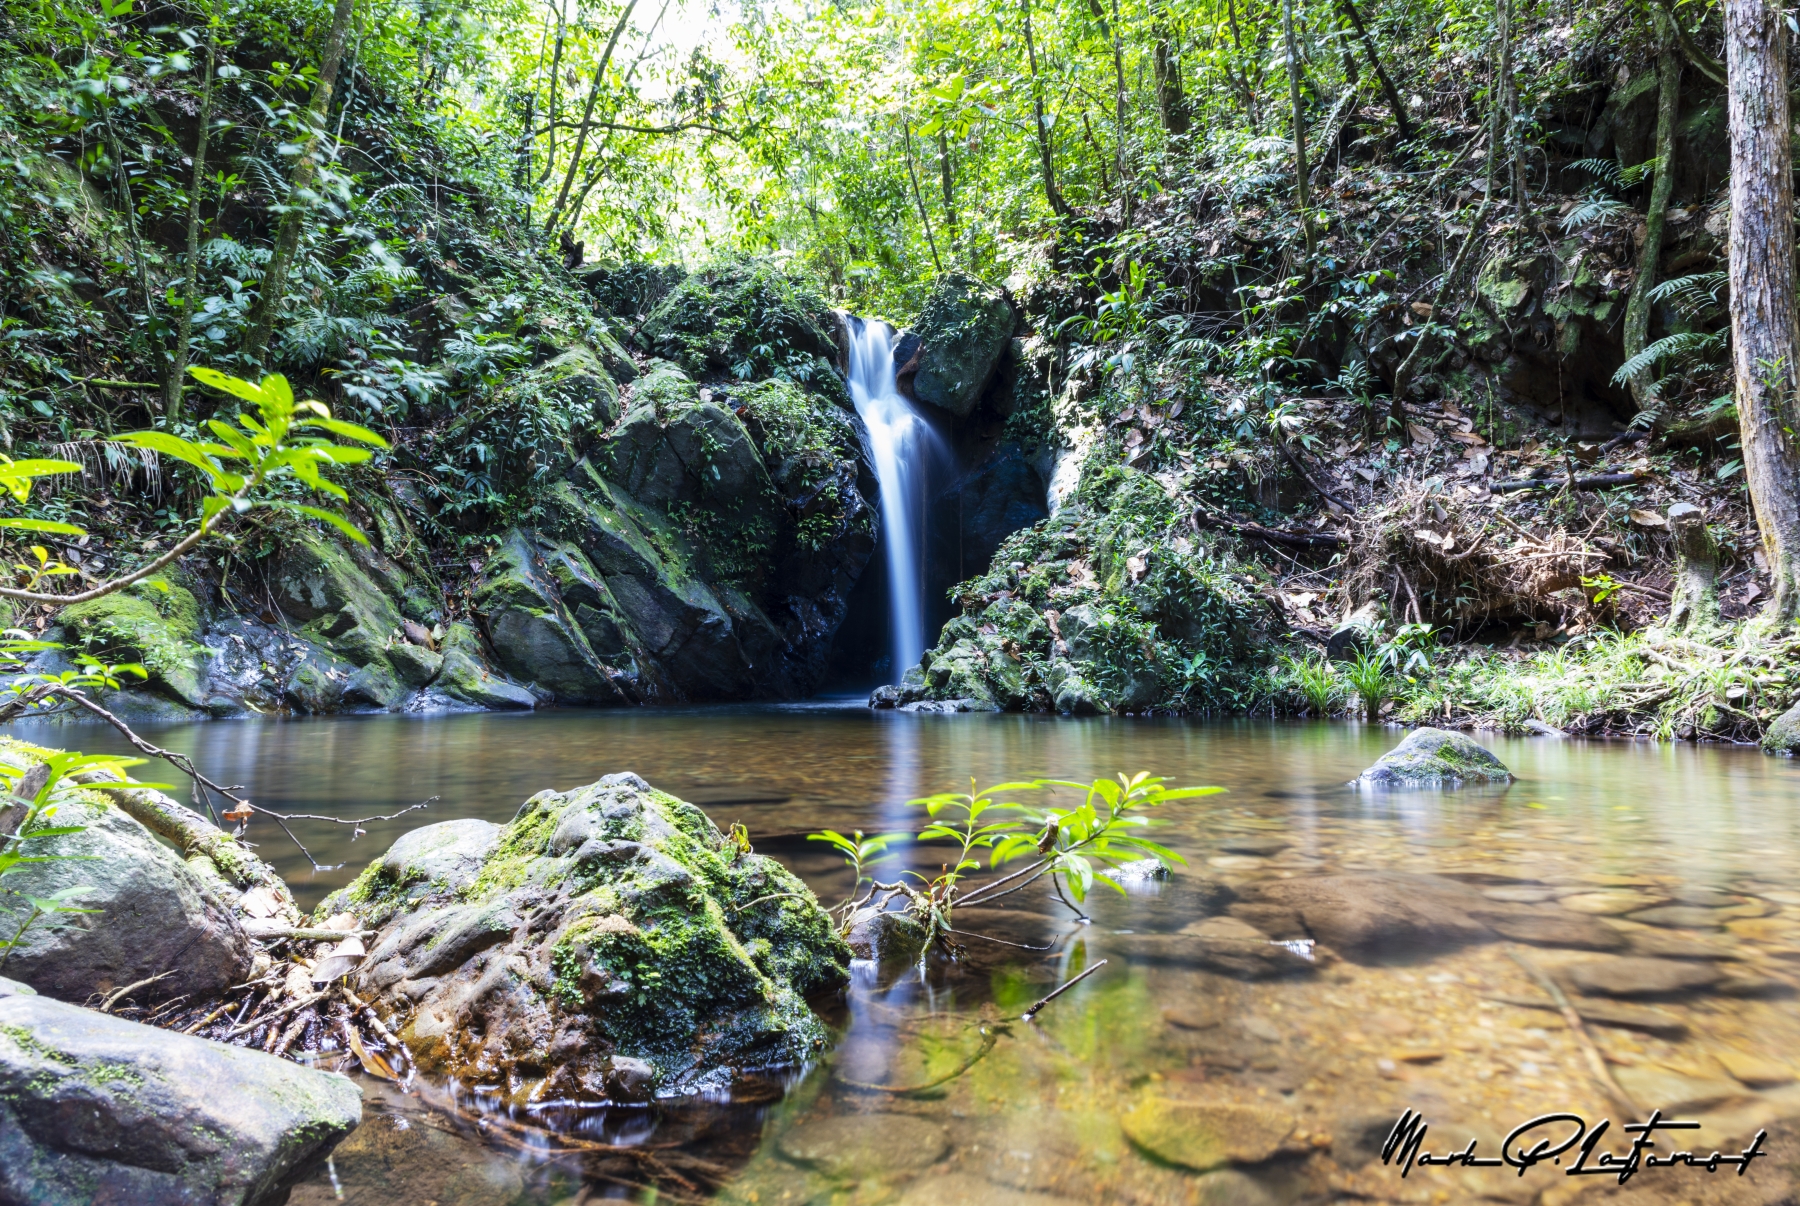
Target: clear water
column 904, row 445
column 1465, row 1036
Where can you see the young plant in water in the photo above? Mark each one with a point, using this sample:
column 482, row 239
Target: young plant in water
column 1076, row 847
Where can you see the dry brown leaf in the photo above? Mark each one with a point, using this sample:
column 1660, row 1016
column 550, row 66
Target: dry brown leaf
column 1422, row 435
column 1647, row 519
column 259, row 901
column 1467, row 437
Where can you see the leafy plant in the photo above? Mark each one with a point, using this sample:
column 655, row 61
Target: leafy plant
column 1316, row 681
column 1075, row 846
column 1374, row 682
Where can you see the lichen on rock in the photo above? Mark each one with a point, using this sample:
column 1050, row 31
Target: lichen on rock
column 606, row 935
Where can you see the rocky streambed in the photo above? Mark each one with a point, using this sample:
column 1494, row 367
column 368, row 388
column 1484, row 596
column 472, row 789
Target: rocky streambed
column 608, row 989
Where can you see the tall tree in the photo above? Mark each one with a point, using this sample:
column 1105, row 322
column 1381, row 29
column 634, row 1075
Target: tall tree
column 1637, row 311
column 1046, row 161
column 299, row 198
column 1765, row 324
column 173, row 381
column 1401, row 121
column 587, row 119
column 1171, row 100
column 1302, row 193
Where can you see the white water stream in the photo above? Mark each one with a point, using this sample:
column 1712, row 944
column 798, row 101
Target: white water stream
column 904, row 445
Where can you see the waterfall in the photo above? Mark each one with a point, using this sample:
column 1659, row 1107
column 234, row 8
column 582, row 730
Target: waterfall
column 904, row 445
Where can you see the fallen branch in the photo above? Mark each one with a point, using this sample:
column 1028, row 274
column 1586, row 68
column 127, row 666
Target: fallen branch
column 1310, row 480
column 272, row 931
column 1598, row 481
column 266, row 1018
column 990, row 1036
column 113, row 997
column 1031, row 1013
column 1596, row 1062
column 1255, row 531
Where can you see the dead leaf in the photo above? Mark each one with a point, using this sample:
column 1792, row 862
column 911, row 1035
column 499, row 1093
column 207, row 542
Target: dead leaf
column 1467, row 437
column 241, row 811
column 1136, row 566
column 371, row 1063
column 1367, row 474
column 1647, row 519
column 1423, row 436
column 1175, row 410
column 1422, row 309
column 1428, row 536
column 344, row 922
column 259, row 902
column 1133, row 438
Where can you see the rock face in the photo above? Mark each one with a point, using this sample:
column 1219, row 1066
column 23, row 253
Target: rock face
column 950, row 355
column 607, row 940
column 154, row 915
column 748, row 318
column 1435, row 758
column 97, row 1109
column 707, row 550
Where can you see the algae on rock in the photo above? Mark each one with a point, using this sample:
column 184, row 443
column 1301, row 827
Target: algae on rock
column 605, row 928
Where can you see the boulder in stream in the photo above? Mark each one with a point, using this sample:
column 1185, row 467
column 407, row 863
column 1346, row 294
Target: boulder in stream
column 154, row 915
column 1435, row 758
column 1783, row 735
column 609, row 940
column 94, row 1108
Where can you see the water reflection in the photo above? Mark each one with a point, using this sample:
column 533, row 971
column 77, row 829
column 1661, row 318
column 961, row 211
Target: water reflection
column 1602, row 867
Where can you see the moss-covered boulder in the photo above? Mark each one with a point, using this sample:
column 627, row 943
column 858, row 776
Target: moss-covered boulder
column 1435, row 758
column 573, row 390
column 1783, row 735
column 746, row 319
column 320, row 586
column 156, row 623
column 949, row 356
column 1115, row 605
column 464, row 675
column 609, row 931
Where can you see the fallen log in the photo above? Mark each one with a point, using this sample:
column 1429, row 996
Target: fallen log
column 1597, row 481
column 1255, row 531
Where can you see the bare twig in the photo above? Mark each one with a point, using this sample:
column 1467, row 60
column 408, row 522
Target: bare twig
column 113, row 997
column 1595, row 1061
column 1031, row 1013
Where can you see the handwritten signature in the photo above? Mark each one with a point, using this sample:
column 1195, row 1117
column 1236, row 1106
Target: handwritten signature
column 1552, row 1136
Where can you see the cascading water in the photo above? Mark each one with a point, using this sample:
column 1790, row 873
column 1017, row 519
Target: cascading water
column 904, row 445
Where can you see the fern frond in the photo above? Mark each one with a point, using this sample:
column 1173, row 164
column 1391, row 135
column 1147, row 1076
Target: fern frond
column 1683, row 345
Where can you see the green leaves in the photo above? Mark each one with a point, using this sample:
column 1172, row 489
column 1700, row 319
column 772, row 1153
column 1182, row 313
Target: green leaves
column 281, row 439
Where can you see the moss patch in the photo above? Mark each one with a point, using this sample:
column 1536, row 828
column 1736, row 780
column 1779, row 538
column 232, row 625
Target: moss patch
column 155, row 622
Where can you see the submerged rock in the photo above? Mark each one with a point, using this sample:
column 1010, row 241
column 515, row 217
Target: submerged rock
column 610, row 941
column 97, row 1109
column 1641, row 976
column 1375, row 915
column 1207, row 1135
column 1435, row 758
column 153, row 914
column 885, row 937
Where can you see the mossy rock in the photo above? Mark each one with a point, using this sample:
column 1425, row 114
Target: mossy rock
column 747, row 319
column 651, row 937
column 576, row 387
column 1112, row 606
column 530, row 629
column 335, row 600
column 1783, row 736
column 1435, row 758
column 949, row 356
column 157, row 623
column 464, row 675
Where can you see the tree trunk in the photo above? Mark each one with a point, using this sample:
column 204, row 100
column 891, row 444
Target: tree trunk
column 1637, row 311
column 1694, row 601
column 1765, row 336
column 1509, row 97
column 919, row 198
column 1302, row 190
column 190, row 294
column 1121, row 117
column 287, row 235
column 1401, row 120
column 587, row 118
column 948, row 180
column 1171, row 101
column 555, row 110
column 1046, row 161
